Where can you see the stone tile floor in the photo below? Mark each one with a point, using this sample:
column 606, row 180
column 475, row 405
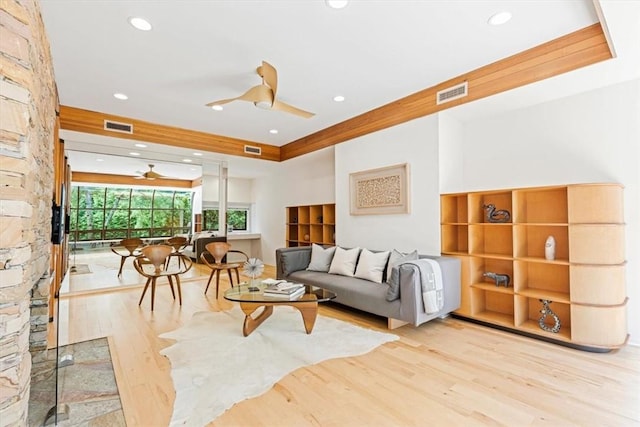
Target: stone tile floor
column 87, row 389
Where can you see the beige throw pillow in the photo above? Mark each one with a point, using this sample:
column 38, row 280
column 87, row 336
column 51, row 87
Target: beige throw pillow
column 344, row 261
column 371, row 265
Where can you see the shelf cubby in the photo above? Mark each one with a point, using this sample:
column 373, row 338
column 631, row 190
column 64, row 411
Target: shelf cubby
column 495, row 307
column 540, row 206
column 541, row 280
column 529, row 241
column 455, row 238
column 454, row 209
column 491, row 239
column 479, row 266
column 500, row 199
column 528, row 314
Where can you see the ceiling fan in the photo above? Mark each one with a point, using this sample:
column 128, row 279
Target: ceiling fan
column 264, row 95
column 151, row 175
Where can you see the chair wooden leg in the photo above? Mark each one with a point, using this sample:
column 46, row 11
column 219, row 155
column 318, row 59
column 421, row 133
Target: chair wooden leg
column 122, row 260
column 209, row 282
column 179, row 290
column 237, row 277
column 153, row 291
column 217, row 283
column 144, row 291
column 171, row 286
column 230, row 277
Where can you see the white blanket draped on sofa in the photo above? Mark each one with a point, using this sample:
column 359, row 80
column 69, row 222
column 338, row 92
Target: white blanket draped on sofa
column 431, row 282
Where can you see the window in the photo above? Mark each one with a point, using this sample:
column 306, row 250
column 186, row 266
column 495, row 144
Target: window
column 106, row 213
column 237, row 218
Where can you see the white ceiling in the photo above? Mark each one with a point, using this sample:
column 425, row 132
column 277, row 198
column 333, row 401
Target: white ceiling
column 371, row 52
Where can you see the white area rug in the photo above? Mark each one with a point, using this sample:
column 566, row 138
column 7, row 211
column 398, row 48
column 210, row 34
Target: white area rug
column 213, row 366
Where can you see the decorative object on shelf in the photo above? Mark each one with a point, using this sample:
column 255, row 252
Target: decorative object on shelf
column 319, row 219
column 380, row 191
column 550, row 248
column 500, row 279
column 496, row 215
column 253, row 268
column 294, row 220
column 306, row 237
column 546, row 311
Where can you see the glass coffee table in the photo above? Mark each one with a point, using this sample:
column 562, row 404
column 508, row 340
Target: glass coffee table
column 251, row 300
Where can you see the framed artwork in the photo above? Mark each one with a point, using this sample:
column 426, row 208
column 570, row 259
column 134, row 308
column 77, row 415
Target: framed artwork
column 381, row 191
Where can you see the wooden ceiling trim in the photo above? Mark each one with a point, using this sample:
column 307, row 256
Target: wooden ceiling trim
column 575, row 50
column 104, row 178
column 76, row 119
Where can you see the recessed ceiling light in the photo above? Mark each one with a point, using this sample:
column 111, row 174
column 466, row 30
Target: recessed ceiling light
column 140, row 145
column 133, row 153
column 197, row 154
column 338, row 98
column 500, row 18
column 217, row 107
column 140, row 23
column 187, row 160
column 337, row 4
column 121, row 96
column 273, row 131
column 99, row 160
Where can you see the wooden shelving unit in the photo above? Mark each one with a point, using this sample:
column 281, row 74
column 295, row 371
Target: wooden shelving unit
column 585, row 281
column 311, row 224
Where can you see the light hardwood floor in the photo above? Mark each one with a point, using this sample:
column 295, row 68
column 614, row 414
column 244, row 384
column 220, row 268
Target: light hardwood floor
column 444, row 373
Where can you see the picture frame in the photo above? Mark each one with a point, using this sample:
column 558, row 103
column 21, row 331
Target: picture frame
column 381, row 191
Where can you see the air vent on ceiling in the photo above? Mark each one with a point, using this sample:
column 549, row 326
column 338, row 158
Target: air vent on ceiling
column 249, row 149
column 118, row 127
column 449, row 94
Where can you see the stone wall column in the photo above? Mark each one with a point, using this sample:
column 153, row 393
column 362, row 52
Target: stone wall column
column 28, row 104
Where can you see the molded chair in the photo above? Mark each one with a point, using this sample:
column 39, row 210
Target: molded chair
column 132, row 247
column 152, row 262
column 179, row 244
column 219, row 252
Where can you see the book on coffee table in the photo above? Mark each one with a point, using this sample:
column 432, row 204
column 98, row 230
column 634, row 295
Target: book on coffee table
column 285, row 288
column 289, row 296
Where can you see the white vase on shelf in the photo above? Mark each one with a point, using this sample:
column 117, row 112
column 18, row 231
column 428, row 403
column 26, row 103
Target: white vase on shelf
column 550, row 248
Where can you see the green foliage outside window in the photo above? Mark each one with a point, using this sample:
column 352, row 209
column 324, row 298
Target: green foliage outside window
column 236, row 218
column 101, row 213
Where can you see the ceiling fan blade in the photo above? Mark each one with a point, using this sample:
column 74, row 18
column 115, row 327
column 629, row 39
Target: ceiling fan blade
column 269, row 76
column 281, row 106
column 260, row 93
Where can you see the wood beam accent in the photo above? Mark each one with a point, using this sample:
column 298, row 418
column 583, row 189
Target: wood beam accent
column 105, row 178
column 92, row 122
column 567, row 53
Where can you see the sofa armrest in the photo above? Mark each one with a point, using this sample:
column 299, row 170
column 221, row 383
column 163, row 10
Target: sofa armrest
column 293, row 259
column 411, row 303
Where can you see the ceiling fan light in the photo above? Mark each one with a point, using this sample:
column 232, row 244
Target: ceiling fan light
column 217, row 107
column 500, row 18
column 337, row 4
column 265, row 105
column 140, row 23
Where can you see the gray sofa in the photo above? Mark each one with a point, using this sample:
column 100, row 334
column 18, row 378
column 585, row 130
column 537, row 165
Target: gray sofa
column 291, row 264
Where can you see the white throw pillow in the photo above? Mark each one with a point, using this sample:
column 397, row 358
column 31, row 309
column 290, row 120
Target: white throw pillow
column 344, row 261
column 371, row 265
column 320, row 258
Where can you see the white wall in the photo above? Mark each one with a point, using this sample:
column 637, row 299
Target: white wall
column 303, row 180
column 239, row 190
column 416, row 143
column 590, row 137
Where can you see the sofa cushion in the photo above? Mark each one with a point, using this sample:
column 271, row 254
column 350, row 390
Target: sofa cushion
column 320, row 258
column 371, row 265
column 344, row 261
column 393, row 273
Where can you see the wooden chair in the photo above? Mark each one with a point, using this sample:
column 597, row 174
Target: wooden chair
column 219, row 252
column 178, row 243
column 132, row 247
column 157, row 256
